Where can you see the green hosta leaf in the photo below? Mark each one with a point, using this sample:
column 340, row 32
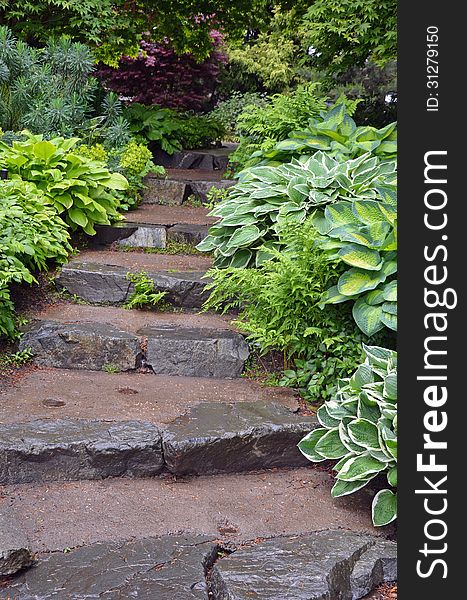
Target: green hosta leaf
column 362, row 376
column 384, row 508
column 368, row 411
column 391, row 446
column 332, row 296
column 374, row 297
column 330, row 445
column 308, row 443
column 116, row 182
column 241, row 259
column 364, row 433
column 361, row 467
column 392, row 477
column 343, row 488
column 340, row 214
column 325, row 418
column 359, row 256
column 44, row 150
column 244, row 236
column 355, row 281
column 390, row 291
column 367, row 211
column 208, row 244
column 390, row 307
column 78, row 217
column 239, row 220
column 368, row 318
column 389, row 320
column 390, row 386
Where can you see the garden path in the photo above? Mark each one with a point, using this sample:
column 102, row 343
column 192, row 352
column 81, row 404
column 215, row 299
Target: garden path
column 138, row 463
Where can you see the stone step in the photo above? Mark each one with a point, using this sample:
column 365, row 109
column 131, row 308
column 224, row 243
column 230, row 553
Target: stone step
column 15, row 553
column 234, row 507
column 151, row 225
column 98, row 282
column 179, row 186
column 44, row 393
column 211, row 159
column 333, row 564
column 164, row 348
column 211, row 438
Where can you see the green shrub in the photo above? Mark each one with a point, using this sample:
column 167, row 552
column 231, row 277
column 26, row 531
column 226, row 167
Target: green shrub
column 51, row 91
column 80, row 189
column 359, row 430
column 265, row 197
column 228, row 111
column 261, row 126
column 31, row 235
column 172, row 131
column 333, row 132
column 363, row 235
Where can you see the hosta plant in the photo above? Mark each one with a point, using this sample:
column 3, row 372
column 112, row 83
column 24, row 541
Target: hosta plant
column 31, row 235
column 80, row 189
column 335, row 133
column 256, row 209
column 363, row 235
column 359, row 430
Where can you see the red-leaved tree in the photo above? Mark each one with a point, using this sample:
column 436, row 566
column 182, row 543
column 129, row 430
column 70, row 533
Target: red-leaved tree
column 160, row 76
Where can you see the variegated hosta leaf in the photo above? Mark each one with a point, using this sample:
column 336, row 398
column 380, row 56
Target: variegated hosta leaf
column 330, row 445
column 308, row 443
column 364, row 433
column 360, row 256
column 343, row 488
column 368, row 318
column 360, row 467
column 384, row 508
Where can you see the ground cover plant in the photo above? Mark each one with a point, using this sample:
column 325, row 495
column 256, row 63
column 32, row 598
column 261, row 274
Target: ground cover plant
column 359, row 430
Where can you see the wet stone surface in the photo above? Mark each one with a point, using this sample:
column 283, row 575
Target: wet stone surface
column 92, row 346
column 166, row 568
column 15, row 553
column 195, row 352
column 99, row 283
column 317, row 566
column 223, row 438
column 72, row 449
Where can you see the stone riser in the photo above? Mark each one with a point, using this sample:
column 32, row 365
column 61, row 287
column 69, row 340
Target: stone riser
column 166, row 350
column 176, row 193
column 140, row 235
column 108, row 285
column 211, row 439
column 327, row 565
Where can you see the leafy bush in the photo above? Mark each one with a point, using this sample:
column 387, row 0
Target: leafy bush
column 228, row 111
column 335, row 133
column 80, row 189
column 50, row 91
column 144, row 293
column 200, row 132
column 265, row 197
column 160, row 76
column 31, row 234
column 172, row 131
column 359, row 429
column 363, row 235
column 279, row 310
column 261, row 126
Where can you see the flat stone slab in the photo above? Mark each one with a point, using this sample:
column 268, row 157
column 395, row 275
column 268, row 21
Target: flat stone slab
column 195, row 352
column 165, row 568
column 159, row 214
column 160, row 399
column 201, row 189
column 130, row 234
column 164, row 191
column 246, row 436
column 91, row 346
column 98, row 283
column 72, row 449
column 15, row 553
column 318, row 566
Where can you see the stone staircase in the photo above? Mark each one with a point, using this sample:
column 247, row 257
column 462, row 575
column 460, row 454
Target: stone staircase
column 136, row 443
